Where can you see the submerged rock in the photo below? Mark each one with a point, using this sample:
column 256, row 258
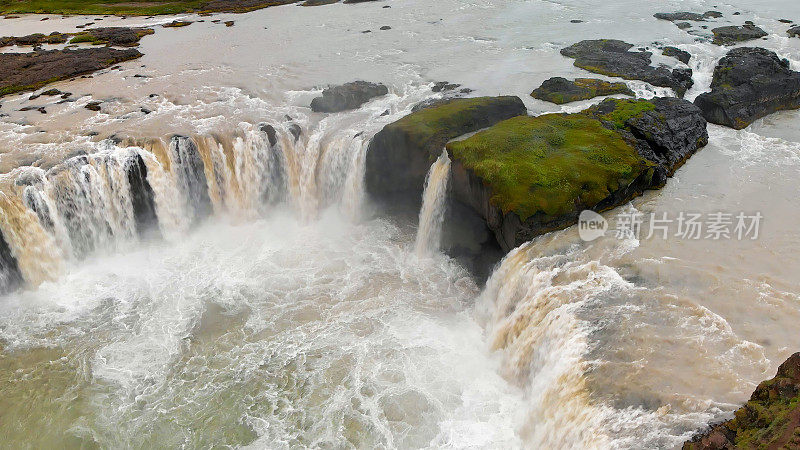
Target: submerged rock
column 347, row 96
column 770, row 419
column 612, row 58
column 21, row 72
column 749, row 83
column 734, row 34
column 560, row 90
column 675, row 52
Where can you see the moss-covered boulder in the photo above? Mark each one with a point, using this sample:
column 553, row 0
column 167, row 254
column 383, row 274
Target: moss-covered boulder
column 771, row 419
column 559, row 90
column 399, row 156
column 734, row 34
column 541, row 172
column 749, row 83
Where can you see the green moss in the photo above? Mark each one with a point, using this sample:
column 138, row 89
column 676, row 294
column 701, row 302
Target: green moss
column 550, row 164
column 623, row 109
column 81, row 38
column 127, row 7
column 432, row 127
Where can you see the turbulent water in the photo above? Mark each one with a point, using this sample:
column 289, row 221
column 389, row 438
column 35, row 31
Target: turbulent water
column 257, row 299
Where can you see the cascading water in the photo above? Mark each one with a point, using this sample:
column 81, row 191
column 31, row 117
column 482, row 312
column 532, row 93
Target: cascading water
column 434, row 200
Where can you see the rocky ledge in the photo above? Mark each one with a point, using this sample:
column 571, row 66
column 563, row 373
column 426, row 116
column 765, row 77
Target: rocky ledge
column 749, row 83
column 560, row 90
column 770, row 420
column 29, row 71
column 733, row 34
column 525, row 176
column 613, row 58
column 347, row 96
column 115, row 36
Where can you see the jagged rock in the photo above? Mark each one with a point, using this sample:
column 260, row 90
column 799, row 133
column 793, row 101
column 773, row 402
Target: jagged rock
column 749, row 83
column 269, row 130
column 794, row 31
column 680, row 55
column 612, row 57
column 10, row 275
column 21, row 72
column 441, row 86
column 347, row 96
column 770, row 419
column 733, row 34
column 142, row 199
column 560, row 90
column 683, row 15
column 93, row 106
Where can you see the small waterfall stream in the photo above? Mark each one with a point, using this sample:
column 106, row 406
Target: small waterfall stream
column 431, row 215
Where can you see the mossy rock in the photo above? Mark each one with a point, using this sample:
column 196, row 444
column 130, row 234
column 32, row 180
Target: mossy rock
column 560, row 90
column 617, row 112
column 553, row 164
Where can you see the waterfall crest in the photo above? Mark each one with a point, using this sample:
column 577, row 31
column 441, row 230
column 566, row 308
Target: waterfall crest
column 434, row 199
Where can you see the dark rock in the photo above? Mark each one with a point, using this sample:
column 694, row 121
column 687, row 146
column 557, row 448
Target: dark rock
column 385, row 113
column 712, row 14
column 737, row 13
column 229, row 23
column 444, row 86
column 399, row 156
column 675, row 16
column 34, row 108
column 318, row 2
column 116, row 36
column 680, row 55
column 296, row 131
column 28, row 71
column 93, row 106
column 612, row 57
column 145, row 110
column 733, row 34
column 785, row 21
column 794, row 31
column 560, row 90
column 684, row 25
column 272, row 135
column 347, row 96
column 142, row 199
column 749, row 83
column 575, row 21
column 10, row 275
column 52, row 92
column 768, row 420
column 386, row 27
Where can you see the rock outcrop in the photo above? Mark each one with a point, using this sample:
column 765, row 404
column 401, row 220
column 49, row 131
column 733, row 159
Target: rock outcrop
column 525, row 176
column 21, row 72
column 675, row 52
column 770, row 419
column 613, row 58
column 10, row 275
column 116, row 36
column 142, row 199
column 794, row 31
column 749, row 83
column 347, row 96
column 560, row 90
column 684, row 15
column 735, row 34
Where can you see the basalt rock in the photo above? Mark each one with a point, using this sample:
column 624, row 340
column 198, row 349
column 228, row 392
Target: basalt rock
column 676, row 16
column 10, row 275
column 347, row 96
column 680, row 55
column 613, row 58
column 735, row 34
column 21, row 72
column 794, row 31
column 560, row 90
column 770, row 419
column 142, row 199
column 749, row 83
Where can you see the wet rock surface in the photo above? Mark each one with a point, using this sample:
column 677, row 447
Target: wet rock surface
column 347, row 96
column 770, row 419
column 559, row 90
column 680, row 55
column 749, row 83
column 28, row 71
column 735, row 34
column 613, row 58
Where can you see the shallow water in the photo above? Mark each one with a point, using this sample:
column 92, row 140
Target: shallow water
column 308, row 322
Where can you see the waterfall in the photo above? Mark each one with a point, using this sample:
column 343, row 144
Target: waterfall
column 121, row 193
column 431, row 215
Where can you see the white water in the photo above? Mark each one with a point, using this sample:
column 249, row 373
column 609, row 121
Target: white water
column 434, row 201
column 288, row 320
